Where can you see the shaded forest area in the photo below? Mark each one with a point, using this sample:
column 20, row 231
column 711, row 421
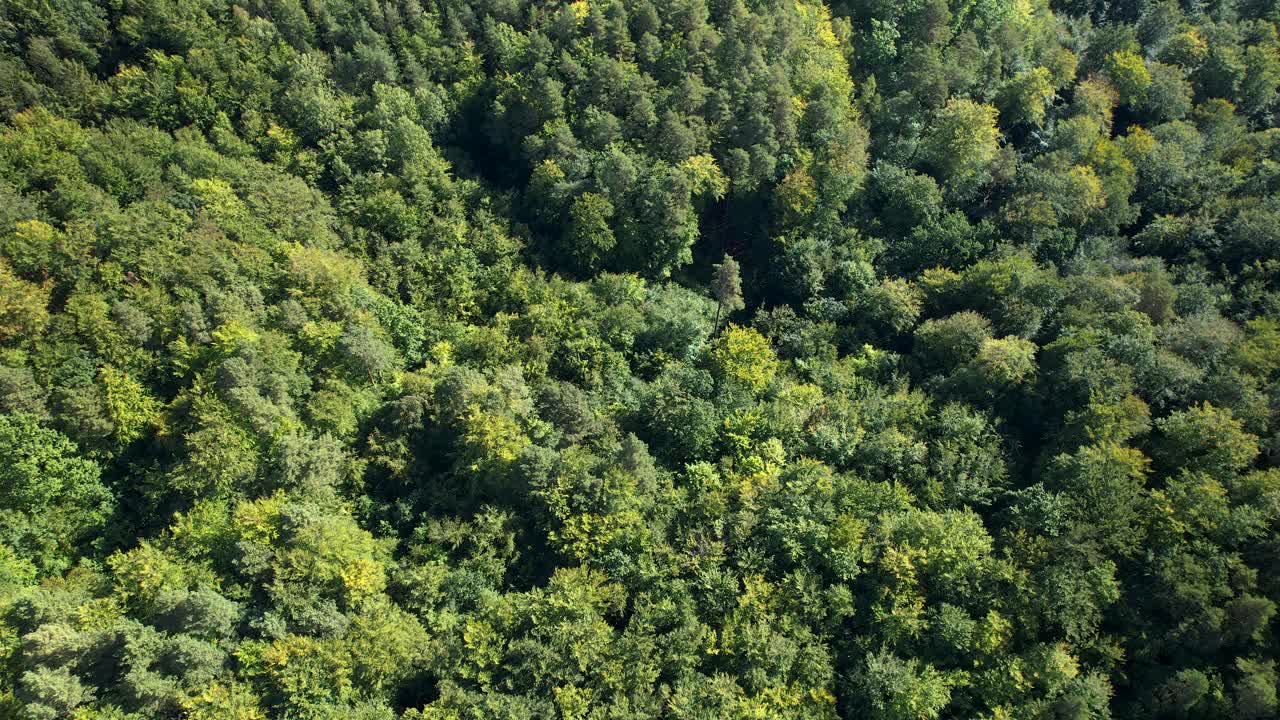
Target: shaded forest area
column 445, row 359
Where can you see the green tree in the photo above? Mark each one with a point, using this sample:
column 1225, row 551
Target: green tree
column 1104, row 486
column 1205, row 438
column 590, row 238
column 52, row 498
column 1129, row 75
column 962, row 145
column 897, row 689
column 726, row 287
column 941, row 345
column 1025, row 97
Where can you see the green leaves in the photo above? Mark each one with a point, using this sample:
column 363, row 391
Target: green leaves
column 898, row 689
column 962, row 145
column 589, row 236
column 1129, row 75
column 375, row 360
column 52, row 499
column 1205, row 438
column 1024, row 97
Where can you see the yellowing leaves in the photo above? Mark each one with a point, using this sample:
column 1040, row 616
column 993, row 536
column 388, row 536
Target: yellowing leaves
column 259, row 520
column 1006, row 361
column 333, row 555
column 23, row 306
column 144, row 572
column 485, row 647
column 1260, row 352
column 1188, row 48
column 323, row 277
column 743, row 355
column 99, row 613
column 797, row 194
column 219, row 198
column 305, row 669
column 821, row 63
column 580, row 9
column 491, row 439
column 1025, row 97
column 589, row 535
column 224, row 701
column 361, row 579
column 573, row 702
column 1128, row 73
column 232, row 336
column 964, row 141
column 199, row 532
column 129, row 405
column 705, row 176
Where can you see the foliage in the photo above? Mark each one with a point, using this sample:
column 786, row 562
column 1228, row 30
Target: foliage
column 600, row 359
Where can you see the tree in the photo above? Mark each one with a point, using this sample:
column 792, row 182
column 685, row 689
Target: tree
column 23, row 306
column 1181, row 694
column 292, row 425
column 1104, row 487
column 1025, row 97
column 726, row 286
column 941, row 345
column 232, row 701
column 966, row 463
column 49, row 694
column 1129, row 75
column 130, row 408
column 589, row 236
column 962, row 145
column 897, row 689
column 1004, row 362
column 743, row 355
column 370, row 356
column 1255, row 691
column 1205, row 438
column 52, row 498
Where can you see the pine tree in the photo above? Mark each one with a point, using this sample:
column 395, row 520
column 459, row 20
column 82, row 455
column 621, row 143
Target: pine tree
column 726, row 285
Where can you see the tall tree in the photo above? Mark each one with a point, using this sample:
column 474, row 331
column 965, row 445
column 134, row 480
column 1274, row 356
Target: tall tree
column 726, row 286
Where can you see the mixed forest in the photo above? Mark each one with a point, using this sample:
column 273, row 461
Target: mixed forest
column 604, row 360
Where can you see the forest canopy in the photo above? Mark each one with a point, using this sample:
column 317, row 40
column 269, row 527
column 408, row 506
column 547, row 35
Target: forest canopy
column 487, row 359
